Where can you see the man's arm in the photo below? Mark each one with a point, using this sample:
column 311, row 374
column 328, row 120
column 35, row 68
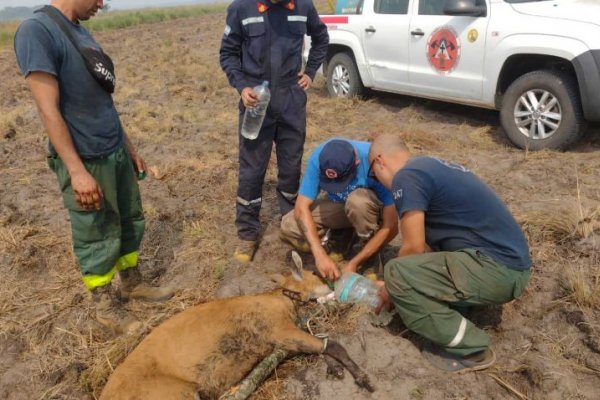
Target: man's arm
column 304, row 219
column 230, row 57
column 319, row 41
column 412, row 225
column 388, row 231
column 46, row 94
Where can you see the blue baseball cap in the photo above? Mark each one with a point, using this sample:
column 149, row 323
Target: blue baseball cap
column 337, row 165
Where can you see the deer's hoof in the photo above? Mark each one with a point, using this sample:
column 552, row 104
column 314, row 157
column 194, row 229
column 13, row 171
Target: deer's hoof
column 364, row 382
column 335, row 372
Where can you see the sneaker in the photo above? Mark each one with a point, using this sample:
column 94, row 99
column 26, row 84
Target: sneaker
column 244, row 252
column 443, row 360
column 133, row 287
column 111, row 314
column 480, row 360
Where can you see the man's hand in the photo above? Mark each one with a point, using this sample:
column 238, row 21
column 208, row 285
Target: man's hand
column 249, row 97
column 386, row 304
column 327, row 267
column 350, row 267
column 87, row 191
column 305, row 82
column 138, row 162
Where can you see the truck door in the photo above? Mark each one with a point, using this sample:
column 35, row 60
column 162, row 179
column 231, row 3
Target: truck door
column 447, row 53
column 385, row 40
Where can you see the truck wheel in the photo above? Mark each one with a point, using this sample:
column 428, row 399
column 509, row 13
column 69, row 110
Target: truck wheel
column 542, row 110
column 343, row 79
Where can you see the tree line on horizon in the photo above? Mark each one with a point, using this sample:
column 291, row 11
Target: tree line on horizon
column 20, row 12
column 16, row 13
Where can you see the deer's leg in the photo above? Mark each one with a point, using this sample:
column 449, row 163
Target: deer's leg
column 298, row 341
column 335, row 370
column 338, row 352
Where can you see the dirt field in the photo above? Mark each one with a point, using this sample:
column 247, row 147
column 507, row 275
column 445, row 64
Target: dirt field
column 177, row 107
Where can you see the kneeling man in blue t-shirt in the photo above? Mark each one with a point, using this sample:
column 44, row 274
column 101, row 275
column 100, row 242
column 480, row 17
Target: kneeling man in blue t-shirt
column 460, row 247
column 339, row 168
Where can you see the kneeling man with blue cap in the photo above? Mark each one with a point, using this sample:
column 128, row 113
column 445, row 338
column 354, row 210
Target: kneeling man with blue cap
column 340, row 168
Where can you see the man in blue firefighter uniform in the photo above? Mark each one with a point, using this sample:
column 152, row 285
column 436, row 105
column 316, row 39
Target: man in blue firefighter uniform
column 263, row 42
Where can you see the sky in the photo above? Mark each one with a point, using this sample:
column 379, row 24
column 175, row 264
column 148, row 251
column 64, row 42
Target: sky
column 115, row 4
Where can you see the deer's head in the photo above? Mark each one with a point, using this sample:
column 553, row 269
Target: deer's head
column 306, row 283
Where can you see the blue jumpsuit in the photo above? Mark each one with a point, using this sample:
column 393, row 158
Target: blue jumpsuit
column 263, row 41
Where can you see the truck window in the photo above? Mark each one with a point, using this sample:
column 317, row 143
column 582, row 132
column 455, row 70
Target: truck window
column 436, row 7
column 391, row 7
column 349, row 7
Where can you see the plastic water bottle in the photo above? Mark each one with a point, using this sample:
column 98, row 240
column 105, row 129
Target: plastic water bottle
column 355, row 288
column 253, row 118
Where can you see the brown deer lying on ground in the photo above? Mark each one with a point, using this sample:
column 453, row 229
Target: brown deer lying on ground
column 207, row 349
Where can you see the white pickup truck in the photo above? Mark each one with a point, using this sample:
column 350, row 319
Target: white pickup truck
column 538, row 62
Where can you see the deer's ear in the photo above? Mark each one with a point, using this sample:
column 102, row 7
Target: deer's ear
column 278, row 279
column 296, row 266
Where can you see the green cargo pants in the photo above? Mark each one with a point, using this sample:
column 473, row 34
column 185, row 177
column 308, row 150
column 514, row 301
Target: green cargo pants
column 106, row 240
column 422, row 287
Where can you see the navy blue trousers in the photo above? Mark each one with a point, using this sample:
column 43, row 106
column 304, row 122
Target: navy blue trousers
column 284, row 125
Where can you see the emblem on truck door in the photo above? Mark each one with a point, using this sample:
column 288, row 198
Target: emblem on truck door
column 443, row 49
column 472, row 35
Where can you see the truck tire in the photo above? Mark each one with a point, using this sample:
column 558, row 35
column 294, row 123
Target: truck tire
column 542, row 110
column 343, row 79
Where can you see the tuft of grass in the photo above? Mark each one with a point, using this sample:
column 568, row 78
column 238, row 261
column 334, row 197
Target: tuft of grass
column 583, row 283
column 417, row 393
column 219, row 272
column 194, row 229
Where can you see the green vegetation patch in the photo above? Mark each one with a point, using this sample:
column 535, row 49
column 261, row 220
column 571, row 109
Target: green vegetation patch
column 123, row 19
column 7, row 33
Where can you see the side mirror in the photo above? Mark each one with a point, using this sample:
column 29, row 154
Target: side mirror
column 467, row 8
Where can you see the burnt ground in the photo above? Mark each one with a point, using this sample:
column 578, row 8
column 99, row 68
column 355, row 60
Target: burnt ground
column 178, row 109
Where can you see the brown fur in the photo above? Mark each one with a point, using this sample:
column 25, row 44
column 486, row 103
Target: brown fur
column 209, row 348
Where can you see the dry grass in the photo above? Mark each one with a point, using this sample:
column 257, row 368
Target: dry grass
column 583, row 282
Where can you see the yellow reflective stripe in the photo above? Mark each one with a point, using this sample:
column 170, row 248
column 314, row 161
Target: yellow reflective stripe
column 128, row 261
column 95, row 281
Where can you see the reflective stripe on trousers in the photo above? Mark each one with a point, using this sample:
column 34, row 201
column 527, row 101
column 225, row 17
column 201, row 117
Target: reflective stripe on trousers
column 124, row 262
column 289, row 196
column 249, row 202
column 460, row 334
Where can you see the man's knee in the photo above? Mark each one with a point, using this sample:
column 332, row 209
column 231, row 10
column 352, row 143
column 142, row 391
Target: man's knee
column 363, row 209
column 289, row 226
column 359, row 199
column 396, row 273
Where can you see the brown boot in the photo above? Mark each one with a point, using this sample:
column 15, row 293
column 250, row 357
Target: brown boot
column 244, row 252
column 133, row 287
column 111, row 314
